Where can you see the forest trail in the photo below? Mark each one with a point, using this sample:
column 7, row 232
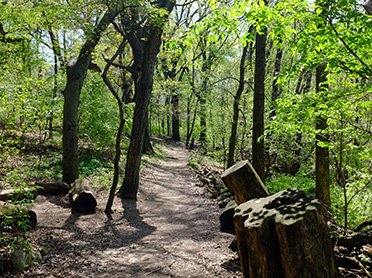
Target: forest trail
column 171, row 231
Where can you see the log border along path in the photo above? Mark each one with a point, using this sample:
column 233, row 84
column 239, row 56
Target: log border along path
column 171, row 231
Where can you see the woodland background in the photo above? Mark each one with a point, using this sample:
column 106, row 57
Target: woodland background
column 281, row 83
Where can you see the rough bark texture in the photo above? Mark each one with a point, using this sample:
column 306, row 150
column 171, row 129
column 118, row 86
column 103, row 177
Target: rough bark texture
column 175, row 118
column 321, row 152
column 82, row 197
column 130, row 184
column 284, row 235
column 368, row 6
column 76, row 73
column 234, row 126
column 53, row 188
column 243, row 182
column 258, row 151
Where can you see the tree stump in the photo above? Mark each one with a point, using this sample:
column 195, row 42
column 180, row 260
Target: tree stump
column 243, row 182
column 83, row 200
column 284, row 235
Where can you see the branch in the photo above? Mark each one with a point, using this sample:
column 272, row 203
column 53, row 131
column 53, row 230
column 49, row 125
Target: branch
column 345, row 44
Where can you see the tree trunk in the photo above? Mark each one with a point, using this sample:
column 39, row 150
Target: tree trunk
column 82, row 197
column 175, row 118
column 284, row 235
column 243, row 182
column 131, row 180
column 126, row 93
column 234, row 126
column 76, row 73
column 322, row 152
column 258, row 150
column 147, row 147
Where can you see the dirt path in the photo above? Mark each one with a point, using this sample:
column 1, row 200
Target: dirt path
column 171, row 231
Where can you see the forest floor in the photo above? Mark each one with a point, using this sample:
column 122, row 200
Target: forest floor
column 171, row 231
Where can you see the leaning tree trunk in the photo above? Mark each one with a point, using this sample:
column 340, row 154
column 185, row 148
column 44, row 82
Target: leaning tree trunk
column 131, row 180
column 234, row 126
column 76, row 73
column 284, row 235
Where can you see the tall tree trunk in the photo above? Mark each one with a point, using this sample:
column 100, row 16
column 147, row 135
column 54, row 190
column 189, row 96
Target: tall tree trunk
column 120, row 128
column 175, row 118
column 322, row 152
column 76, row 73
column 147, row 147
column 131, row 180
column 234, row 126
column 322, row 178
column 258, row 151
column 275, row 92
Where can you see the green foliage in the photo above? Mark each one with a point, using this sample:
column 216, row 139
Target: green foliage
column 193, row 164
column 15, row 220
column 283, row 182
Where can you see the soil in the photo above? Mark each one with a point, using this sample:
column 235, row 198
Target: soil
column 172, row 230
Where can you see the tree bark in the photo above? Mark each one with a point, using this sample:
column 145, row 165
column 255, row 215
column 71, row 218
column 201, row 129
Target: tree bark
column 284, row 235
column 234, row 126
column 126, row 92
column 175, row 118
column 76, row 73
column 131, row 180
column 243, row 182
column 52, row 188
column 258, row 150
column 322, row 177
column 82, row 197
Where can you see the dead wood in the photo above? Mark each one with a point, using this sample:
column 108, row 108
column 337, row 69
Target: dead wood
column 52, row 188
column 17, row 194
column 284, row 235
column 83, row 200
column 243, row 182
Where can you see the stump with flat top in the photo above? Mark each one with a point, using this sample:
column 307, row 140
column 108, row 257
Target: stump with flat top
column 83, row 200
column 284, row 235
column 243, row 182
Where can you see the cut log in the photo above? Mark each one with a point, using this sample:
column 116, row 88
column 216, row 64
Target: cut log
column 17, row 194
column 284, row 235
column 243, row 182
column 16, row 212
column 83, row 200
column 53, row 188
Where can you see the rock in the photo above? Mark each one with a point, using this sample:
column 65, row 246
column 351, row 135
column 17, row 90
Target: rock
column 227, row 218
column 21, row 259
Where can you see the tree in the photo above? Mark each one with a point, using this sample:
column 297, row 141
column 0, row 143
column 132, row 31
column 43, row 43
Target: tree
column 152, row 46
column 322, row 178
column 234, row 126
column 76, row 73
column 258, row 149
